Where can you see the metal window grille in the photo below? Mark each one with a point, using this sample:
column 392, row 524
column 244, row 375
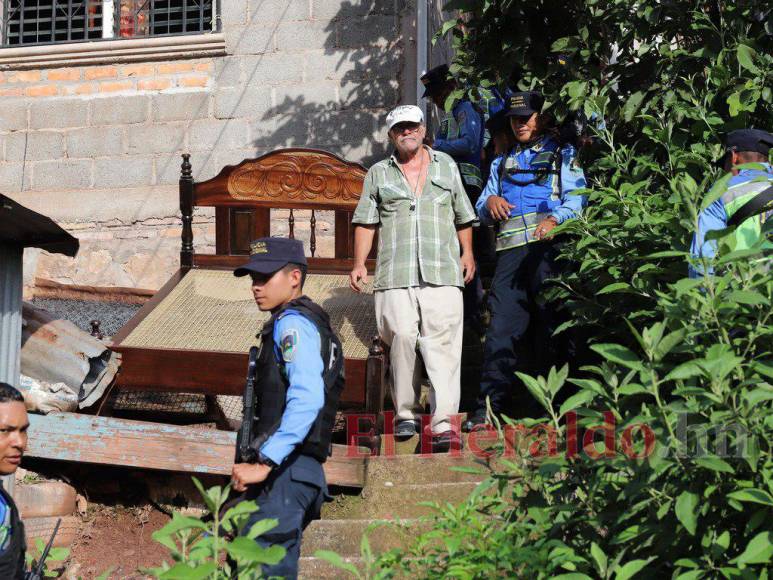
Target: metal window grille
column 44, row 21
column 28, row 22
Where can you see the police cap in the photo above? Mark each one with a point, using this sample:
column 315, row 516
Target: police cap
column 755, row 140
column 434, row 80
column 525, row 103
column 267, row 255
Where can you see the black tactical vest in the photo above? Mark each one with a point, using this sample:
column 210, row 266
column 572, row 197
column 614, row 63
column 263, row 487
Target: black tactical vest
column 12, row 560
column 272, row 383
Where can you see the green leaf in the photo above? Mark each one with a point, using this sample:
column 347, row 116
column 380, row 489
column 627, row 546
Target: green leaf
column 631, row 568
column 616, row 287
column 746, row 57
column 337, row 561
column 748, row 297
column 575, row 401
column 599, row 558
column 182, row 571
column 715, row 464
column 686, row 505
column 632, row 106
column 752, row 496
column 691, row 575
column 246, row 550
column 685, row 371
column 619, row 354
column 758, row 551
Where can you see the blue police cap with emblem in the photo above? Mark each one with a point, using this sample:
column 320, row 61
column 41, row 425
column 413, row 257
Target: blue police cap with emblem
column 524, row 103
column 755, row 140
column 267, row 255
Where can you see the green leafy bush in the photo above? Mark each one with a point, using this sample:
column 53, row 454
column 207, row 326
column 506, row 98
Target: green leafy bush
column 686, row 361
column 211, row 547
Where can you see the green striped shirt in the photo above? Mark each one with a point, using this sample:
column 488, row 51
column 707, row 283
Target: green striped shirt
column 417, row 240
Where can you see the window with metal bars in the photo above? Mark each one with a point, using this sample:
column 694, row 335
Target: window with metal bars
column 28, row 22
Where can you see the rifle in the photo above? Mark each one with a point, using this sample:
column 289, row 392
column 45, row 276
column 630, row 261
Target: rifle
column 37, row 573
column 244, row 452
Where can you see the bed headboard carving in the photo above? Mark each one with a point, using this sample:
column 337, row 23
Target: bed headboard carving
column 307, row 177
column 243, row 196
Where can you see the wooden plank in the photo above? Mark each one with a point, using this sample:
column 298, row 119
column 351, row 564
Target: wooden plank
column 208, row 372
column 109, row 441
column 316, row 265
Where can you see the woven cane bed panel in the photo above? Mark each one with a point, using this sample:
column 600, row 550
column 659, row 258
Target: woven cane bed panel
column 212, row 310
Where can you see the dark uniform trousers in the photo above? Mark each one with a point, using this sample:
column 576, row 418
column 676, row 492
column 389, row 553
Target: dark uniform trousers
column 519, row 335
column 293, row 494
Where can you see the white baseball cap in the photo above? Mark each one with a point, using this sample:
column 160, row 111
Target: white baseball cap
column 404, row 114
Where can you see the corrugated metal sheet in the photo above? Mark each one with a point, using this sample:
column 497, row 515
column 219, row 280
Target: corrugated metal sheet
column 10, row 312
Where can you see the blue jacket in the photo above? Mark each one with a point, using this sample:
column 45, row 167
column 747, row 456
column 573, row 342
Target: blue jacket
column 461, row 135
column 543, row 196
column 297, row 346
column 715, row 217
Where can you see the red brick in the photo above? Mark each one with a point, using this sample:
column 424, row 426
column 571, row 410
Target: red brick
column 154, row 84
column 64, row 74
column 193, row 81
column 174, row 67
column 115, row 87
column 42, row 91
column 203, row 66
column 17, row 92
column 137, row 70
column 25, row 76
column 101, row 72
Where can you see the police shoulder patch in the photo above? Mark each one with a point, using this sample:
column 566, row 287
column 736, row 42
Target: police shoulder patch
column 288, row 344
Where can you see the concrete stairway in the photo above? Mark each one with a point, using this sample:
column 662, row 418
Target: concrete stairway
column 389, row 503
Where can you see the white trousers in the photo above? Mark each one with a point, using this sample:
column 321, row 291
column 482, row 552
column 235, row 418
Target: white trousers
column 428, row 319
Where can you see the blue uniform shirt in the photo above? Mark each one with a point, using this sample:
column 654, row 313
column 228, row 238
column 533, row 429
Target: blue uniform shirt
column 297, row 346
column 541, row 197
column 714, row 217
column 5, row 525
column 462, row 139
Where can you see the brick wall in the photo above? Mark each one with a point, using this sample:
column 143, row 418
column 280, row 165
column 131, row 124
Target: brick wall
column 302, row 73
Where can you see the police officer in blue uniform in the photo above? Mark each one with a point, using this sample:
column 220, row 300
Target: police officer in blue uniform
column 529, row 192
column 747, row 203
column 461, row 134
column 299, row 381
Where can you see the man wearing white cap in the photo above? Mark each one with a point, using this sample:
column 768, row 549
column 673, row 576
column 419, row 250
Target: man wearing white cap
column 416, row 201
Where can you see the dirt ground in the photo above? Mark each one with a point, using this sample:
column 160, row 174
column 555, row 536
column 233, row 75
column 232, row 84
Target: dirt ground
column 116, row 539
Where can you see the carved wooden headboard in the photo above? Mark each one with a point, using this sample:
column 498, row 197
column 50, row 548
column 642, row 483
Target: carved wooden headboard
column 244, row 194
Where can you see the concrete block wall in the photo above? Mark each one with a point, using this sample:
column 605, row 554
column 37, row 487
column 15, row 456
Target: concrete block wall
column 297, row 73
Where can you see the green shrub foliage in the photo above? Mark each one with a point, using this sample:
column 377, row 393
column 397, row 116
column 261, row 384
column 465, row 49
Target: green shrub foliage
column 689, row 359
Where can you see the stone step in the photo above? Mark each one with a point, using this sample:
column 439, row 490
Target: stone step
column 344, row 536
column 418, row 469
column 310, row 568
column 396, row 501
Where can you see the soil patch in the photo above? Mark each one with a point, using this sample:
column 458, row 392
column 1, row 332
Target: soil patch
column 117, row 539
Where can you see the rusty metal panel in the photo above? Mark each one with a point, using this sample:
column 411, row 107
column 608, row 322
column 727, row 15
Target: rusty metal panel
column 57, row 351
column 10, row 312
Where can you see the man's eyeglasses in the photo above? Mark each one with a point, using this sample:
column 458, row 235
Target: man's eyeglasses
column 401, row 128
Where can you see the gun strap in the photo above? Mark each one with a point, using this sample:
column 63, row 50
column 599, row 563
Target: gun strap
column 760, row 203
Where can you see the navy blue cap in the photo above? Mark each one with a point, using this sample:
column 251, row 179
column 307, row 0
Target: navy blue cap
column 755, row 140
column 524, row 103
column 267, row 255
column 434, row 80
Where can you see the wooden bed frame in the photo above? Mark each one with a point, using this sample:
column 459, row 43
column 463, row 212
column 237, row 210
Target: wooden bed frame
column 243, row 196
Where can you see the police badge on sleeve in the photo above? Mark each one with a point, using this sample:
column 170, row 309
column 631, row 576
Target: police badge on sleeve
column 288, row 344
